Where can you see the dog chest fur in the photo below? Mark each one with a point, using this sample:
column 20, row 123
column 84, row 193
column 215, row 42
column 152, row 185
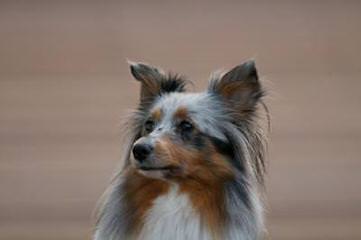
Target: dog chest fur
column 210, row 143
column 173, row 217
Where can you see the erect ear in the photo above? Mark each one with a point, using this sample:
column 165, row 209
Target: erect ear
column 154, row 82
column 149, row 77
column 239, row 87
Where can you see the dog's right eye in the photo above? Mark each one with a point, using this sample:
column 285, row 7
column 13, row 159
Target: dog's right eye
column 149, row 126
column 185, row 126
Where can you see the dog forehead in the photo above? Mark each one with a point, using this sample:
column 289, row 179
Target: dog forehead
column 193, row 103
column 202, row 108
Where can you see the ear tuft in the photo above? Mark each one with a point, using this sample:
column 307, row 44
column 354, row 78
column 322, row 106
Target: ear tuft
column 155, row 82
column 173, row 83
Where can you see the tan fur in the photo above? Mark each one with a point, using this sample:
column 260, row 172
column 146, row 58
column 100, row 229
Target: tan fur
column 140, row 192
column 149, row 88
column 157, row 114
column 227, row 90
column 201, row 175
column 223, row 193
column 181, row 113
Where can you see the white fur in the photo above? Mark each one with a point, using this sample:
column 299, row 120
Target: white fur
column 172, row 217
column 204, row 110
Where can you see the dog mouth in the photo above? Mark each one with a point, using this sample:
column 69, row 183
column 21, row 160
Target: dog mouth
column 159, row 172
column 162, row 168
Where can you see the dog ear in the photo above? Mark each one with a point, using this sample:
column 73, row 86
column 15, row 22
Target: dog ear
column 240, row 87
column 150, row 78
column 154, row 82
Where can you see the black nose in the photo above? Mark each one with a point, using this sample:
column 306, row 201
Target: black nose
column 141, row 151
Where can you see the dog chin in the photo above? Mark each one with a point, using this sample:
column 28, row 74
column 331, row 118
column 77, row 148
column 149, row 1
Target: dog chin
column 157, row 174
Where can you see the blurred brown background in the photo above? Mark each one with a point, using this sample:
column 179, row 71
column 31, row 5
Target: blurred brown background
column 65, row 85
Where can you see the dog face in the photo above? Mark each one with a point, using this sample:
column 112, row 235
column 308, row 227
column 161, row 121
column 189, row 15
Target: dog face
column 182, row 135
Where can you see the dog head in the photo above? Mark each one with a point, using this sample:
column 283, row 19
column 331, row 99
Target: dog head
column 184, row 135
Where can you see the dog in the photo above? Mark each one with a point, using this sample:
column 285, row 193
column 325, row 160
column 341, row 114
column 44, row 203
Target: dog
column 194, row 163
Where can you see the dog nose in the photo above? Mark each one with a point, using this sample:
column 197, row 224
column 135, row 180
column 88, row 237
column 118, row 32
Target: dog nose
column 141, row 151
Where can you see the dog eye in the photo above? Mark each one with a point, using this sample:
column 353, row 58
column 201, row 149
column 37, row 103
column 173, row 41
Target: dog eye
column 185, row 126
column 149, row 126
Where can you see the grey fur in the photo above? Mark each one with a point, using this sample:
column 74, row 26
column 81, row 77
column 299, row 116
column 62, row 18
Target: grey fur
column 218, row 119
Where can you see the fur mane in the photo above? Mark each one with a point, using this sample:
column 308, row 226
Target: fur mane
column 119, row 218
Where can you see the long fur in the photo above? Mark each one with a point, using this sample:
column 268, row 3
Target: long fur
column 168, row 211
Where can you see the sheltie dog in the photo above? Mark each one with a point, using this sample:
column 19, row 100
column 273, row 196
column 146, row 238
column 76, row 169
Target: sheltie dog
column 194, row 162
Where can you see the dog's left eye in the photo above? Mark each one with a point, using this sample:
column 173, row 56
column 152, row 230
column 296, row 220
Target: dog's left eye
column 185, row 126
column 149, row 126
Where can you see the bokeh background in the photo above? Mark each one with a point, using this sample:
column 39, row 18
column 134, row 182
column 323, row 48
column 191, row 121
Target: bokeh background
column 65, row 86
